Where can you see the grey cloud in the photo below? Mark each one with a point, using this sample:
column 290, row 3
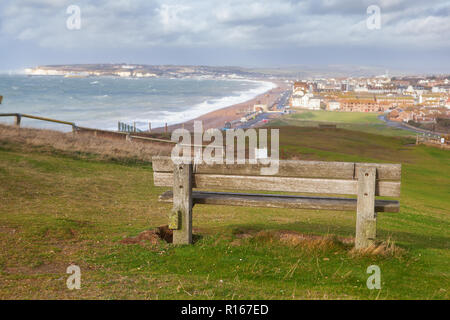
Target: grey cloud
column 227, row 23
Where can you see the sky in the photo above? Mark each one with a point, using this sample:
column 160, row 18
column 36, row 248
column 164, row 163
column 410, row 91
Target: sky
column 412, row 35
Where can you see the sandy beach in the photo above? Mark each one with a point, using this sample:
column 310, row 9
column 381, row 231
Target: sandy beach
column 217, row 118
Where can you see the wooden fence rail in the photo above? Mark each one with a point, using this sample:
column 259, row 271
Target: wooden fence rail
column 19, row 117
column 124, row 129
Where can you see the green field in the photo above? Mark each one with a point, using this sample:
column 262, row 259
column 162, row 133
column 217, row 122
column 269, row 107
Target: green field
column 337, row 117
column 62, row 208
column 356, row 121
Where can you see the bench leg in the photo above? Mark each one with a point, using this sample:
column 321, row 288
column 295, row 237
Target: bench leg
column 181, row 216
column 366, row 219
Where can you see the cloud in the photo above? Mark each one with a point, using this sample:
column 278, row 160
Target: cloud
column 226, row 24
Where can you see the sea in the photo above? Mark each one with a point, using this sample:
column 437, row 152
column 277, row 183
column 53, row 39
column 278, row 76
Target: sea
column 102, row 102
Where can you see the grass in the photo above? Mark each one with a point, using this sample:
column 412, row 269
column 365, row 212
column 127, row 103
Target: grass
column 355, row 121
column 83, row 144
column 337, row 117
column 60, row 208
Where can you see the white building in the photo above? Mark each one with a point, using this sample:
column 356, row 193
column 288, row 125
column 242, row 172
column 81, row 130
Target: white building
column 314, row 104
column 301, row 101
column 334, row 105
column 409, row 90
column 123, row 73
column 361, row 89
column 43, row 72
column 306, row 101
column 144, row 75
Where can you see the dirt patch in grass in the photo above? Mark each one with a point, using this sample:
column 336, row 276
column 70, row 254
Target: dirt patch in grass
column 7, row 230
column 42, row 269
column 244, row 233
column 295, row 238
column 291, row 238
column 307, row 241
column 152, row 236
column 155, row 236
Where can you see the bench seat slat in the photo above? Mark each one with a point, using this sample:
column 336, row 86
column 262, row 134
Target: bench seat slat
column 281, row 184
column 281, row 201
column 290, row 168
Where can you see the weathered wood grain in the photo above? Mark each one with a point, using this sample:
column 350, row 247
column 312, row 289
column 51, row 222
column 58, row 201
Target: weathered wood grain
column 181, row 216
column 290, row 168
column 366, row 219
column 385, row 171
column 282, row 184
column 280, row 201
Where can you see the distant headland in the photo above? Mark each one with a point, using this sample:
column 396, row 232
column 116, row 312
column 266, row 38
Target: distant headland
column 127, row 70
column 142, row 71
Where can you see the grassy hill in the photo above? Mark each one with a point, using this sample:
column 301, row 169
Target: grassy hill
column 355, row 121
column 61, row 207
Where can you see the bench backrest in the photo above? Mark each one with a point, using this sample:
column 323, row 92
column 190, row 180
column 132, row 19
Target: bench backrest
column 317, row 177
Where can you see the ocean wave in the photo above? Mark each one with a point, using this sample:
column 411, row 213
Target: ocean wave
column 197, row 110
column 101, row 105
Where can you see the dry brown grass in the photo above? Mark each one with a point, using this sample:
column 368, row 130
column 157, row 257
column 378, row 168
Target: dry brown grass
column 318, row 243
column 151, row 236
column 385, row 248
column 82, row 143
column 296, row 239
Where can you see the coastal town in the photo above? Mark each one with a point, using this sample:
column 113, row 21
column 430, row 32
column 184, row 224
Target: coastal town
column 420, row 102
column 423, row 102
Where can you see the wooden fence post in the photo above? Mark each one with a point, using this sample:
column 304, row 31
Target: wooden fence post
column 18, row 118
column 366, row 217
column 149, row 126
column 180, row 219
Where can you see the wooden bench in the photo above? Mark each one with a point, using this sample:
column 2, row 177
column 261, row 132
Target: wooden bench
column 365, row 180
